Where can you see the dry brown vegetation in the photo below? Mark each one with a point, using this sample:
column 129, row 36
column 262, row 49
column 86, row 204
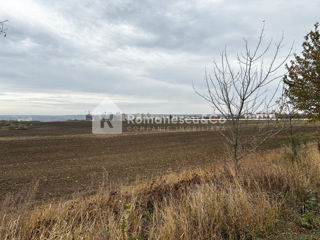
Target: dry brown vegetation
column 269, row 199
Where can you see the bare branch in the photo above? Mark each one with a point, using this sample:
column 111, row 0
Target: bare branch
column 235, row 89
column 3, row 29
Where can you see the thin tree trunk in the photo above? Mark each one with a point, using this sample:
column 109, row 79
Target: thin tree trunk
column 235, row 158
column 291, row 127
column 318, row 132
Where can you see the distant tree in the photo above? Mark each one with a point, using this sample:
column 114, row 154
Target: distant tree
column 3, row 29
column 242, row 85
column 303, row 78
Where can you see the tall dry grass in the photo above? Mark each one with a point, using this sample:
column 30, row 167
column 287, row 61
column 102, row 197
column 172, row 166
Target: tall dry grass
column 207, row 203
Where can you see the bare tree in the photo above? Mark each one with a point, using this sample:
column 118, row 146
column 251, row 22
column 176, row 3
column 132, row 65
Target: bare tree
column 239, row 87
column 3, row 29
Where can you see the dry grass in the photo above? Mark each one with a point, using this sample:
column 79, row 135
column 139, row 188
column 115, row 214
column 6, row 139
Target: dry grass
column 207, row 203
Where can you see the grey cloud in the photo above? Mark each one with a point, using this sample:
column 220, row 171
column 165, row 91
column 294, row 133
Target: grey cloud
column 145, row 49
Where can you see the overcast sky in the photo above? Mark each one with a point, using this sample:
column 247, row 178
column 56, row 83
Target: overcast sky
column 65, row 56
